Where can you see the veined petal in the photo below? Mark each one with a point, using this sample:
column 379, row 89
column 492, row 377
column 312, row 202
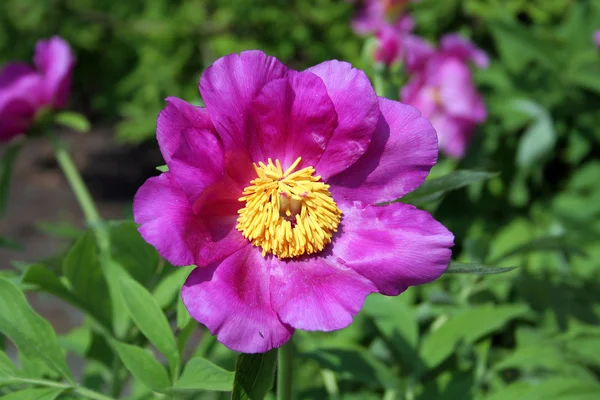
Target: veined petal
column 357, row 110
column 317, row 293
column 399, row 158
column 232, row 298
column 294, row 118
column 393, row 246
column 182, row 237
column 228, row 88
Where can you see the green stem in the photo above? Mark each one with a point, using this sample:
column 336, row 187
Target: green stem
column 82, row 195
column 85, row 392
column 285, row 371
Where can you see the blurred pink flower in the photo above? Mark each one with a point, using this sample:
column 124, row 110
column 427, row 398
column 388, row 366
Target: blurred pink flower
column 597, row 38
column 442, row 88
column 374, row 14
column 390, row 40
column 24, row 90
column 271, row 193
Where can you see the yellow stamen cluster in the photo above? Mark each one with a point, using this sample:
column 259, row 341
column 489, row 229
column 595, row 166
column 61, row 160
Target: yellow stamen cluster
column 288, row 213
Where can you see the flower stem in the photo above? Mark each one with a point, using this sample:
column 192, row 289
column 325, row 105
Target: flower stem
column 82, row 194
column 285, row 371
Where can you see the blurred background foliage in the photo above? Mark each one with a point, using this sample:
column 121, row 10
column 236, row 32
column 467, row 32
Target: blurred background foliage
column 532, row 333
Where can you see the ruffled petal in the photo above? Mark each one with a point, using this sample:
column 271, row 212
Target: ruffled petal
column 454, row 134
column 194, row 155
column 420, row 95
column 54, row 59
column 357, row 109
column 317, row 293
column 178, row 234
column 458, row 94
column 232, row 299
column 398, row 160
column 457, row 46
column 294, row 118
column 228, row 88
column 393, row 246
column 417, row 52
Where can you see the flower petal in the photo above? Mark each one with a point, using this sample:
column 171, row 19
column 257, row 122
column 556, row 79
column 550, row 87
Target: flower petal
column 317, row 293
column 54, row 59
column 394, row 246
column 457, row 46
column 232, row 299
column 178, row 234
column 417, row 52
column 403, row 150
column 194, row 155
column 228, row 88
column 294, row 118
column 457, row 90
column 454, row 134
column 357, row 109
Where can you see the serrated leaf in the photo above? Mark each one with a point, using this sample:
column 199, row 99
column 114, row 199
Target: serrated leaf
column 254, row 375
column 7, row 160
column 35, row 394
column 73, row 120
column 201, row 374
column 467, row 326
column 475, row 269
column 143, row 366
column 33, row 335
column 434, row 188
column 148, row 316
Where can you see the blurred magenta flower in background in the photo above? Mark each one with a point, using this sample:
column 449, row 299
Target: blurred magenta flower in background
column 442, row 88
column 270, row 192
column 390, row 40
column 372, row 15
column 597, row 38
column 25, row 90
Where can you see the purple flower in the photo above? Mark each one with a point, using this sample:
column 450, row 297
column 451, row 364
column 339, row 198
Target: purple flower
column 270, row 192
column 372, row 15
column 442, row 89
column 597, row 38
column 24, row 90
column 390, row 40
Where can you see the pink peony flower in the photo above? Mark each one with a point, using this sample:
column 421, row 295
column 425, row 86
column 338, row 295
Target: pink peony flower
column 374, row 14
column 442, row 89
column 270, row 192
column 25, row 90
column 390, row 40
column 597, row 38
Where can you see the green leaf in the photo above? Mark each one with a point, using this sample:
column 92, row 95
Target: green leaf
column 6, row 164
column 143, row 366
column 546, row 243
column 434, row 188
column 77, row 340
column 147, row 315
column 554, row 388
column 170, row 286
column 7, row 368
column 73, row 120
column 82, row 268
column 163, row 168
column 254, row 375
column 201, row 374
column 35, row 394
column 467, row 326
column 357, row 363
column 120, row 316
column 8, row 243
column 47, row 281
column 539, row 139
column 33, row 335
column 183, row 316
column 475, row 269
column 132, row 252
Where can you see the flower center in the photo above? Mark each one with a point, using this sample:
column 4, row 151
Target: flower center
column 288, row 213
